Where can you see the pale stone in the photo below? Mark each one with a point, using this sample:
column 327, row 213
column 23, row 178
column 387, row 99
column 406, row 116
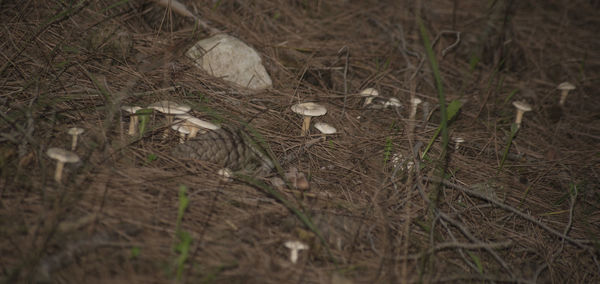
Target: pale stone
column 232, row 60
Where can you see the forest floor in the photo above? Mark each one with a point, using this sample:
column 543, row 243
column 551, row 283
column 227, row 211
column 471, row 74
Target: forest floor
column 379, row 209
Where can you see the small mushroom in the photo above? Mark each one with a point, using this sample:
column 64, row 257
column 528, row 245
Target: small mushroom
column 294, row 247
column 61, row 156
column 325, row 129
column 457, row 141
column 522, row 107
column 226, row 174
column 74, row 131
column 133, row 119
column 182, row 129
column 564, row 88
column 195, row 124
column 393, row 102
column 308, row 110
column 414, row 103
column 369, row 94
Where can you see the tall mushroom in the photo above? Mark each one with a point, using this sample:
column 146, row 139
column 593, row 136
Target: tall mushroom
column 522, row 107
column 308, row 110
column 564, row 88
column 61, row 156
column 74, row 131
column 196, row 124
column 133, row 119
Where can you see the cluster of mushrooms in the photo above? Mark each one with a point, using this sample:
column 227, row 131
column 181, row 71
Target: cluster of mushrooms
column 177, row 117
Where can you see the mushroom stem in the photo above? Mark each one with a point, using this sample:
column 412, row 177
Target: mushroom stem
column 169, row 122
column 414, row 103
column 133, row 122
column 193, row 132
column 305, row 125
column 58, row 172
column 519, row 117
column 563, row 97
column 294, row 256
column 74, row 142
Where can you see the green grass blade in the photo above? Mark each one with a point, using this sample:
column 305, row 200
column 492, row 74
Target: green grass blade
column 453, row 109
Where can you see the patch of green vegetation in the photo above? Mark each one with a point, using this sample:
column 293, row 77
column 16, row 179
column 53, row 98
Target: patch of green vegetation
column 183, row 238
column 514, row 128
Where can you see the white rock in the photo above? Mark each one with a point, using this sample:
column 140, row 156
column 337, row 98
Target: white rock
column 227, row 57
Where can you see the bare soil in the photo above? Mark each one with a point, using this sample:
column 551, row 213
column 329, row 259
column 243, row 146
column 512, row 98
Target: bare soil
column 530, row 216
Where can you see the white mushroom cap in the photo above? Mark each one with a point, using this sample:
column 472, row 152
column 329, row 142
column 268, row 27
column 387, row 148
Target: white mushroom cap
column 566, row 86
column 62, row 155
column 198, row 122
column 523, row 106
column 75, row 130
column 309, row 109
column 180, row 128
column 168, row 107
column 369, row 92
column 393, row 102
column 130, row 109
column 325, row 128
column 416, row 101
column 296, row 245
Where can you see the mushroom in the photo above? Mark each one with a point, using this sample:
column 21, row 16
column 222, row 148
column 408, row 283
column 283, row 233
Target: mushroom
column 196, row 124
column 325, row 129
column 169, row 109
column 182, row 129
column 564, row 87
column 295, row 246
column 226, row 174
column 74, row 131
column 413, row 107
column 133, row 119
column 369, row 94
column 308, row 110
column 61, row 156
column 393, row 102
column 522, row 107
column 457, row 141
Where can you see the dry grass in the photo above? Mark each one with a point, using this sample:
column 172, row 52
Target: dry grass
column 114, row 217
